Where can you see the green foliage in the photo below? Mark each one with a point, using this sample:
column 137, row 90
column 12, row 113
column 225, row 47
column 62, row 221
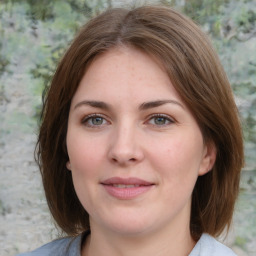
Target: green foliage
column 40, row 9
column 34, row 35
column 246, row 19
column 4, row 62
column 240, row 241
column 202, row 10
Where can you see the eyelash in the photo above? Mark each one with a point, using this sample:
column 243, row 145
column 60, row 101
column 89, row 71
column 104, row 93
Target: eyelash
column 86, row 120
column 165, row 117
column 90, row 117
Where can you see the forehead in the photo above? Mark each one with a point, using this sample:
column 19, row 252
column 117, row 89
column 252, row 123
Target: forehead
column 125, row 71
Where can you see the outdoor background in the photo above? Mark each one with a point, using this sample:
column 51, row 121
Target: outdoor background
column 33, row 36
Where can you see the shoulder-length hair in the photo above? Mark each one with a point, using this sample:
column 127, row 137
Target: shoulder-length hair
column 197, row 75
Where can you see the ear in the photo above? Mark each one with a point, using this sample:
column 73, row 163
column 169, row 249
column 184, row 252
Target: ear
column 68, row 165
column 209, row 158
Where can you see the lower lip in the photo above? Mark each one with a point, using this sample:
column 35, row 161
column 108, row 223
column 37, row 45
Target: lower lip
column 126, row 193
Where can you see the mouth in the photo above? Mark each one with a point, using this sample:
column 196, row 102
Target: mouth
column 125, row 186
column 118, row 181
column 128, row 188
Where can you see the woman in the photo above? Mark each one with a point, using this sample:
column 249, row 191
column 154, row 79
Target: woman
column 140, row 146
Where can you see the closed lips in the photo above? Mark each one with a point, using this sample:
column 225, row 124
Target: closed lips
column 126, row 189
column 126, row 182
column 125, row 186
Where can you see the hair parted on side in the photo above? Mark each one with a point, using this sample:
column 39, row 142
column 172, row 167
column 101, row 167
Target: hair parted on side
column 197, row 75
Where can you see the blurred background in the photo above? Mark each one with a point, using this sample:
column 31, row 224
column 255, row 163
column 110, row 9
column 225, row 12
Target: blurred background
column 33, row 36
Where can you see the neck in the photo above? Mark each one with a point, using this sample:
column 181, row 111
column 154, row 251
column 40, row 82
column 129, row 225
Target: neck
column 159, row 243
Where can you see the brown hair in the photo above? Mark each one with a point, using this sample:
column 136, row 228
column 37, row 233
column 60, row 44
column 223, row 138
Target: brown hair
column 197, row 75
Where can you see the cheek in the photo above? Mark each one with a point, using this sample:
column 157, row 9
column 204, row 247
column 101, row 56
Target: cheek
column 84, row 154
column 178, row 160
column 86, row 162
column 179, row 153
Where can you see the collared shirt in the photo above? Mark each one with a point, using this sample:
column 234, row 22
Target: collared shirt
column 206, row 246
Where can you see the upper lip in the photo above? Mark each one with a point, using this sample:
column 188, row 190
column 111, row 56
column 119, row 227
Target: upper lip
column 126, row 181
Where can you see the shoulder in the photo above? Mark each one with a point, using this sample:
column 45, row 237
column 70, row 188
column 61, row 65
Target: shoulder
column 208, row 246
column 60, row 247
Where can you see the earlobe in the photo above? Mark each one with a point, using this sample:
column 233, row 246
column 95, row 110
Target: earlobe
column 209, row 158
column 68, row 165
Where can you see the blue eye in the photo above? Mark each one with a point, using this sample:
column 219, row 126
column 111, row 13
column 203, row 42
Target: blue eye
column 160, row 120
column 94, row 121
column 97, row 120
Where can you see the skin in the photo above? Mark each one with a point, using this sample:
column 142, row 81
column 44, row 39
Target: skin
column 128, row 136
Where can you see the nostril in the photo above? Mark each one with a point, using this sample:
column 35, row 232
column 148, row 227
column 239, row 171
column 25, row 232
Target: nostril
column 114, row 160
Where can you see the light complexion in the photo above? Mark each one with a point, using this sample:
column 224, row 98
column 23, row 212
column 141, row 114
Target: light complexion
column 135, row 154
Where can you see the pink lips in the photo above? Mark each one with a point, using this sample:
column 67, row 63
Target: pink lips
column 126, row 188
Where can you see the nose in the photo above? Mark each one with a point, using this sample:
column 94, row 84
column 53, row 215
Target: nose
column 125, row 147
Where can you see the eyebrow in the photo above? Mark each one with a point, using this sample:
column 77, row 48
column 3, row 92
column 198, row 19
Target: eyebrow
column 93, row 103
column 158, row 103
column 143, row 106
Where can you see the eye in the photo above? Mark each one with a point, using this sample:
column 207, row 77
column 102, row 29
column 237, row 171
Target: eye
column 160, row 120
column 94, row 120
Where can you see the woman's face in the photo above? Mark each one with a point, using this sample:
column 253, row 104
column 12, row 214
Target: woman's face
column 135, row 149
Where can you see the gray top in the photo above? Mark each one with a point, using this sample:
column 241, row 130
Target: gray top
column 206, row 246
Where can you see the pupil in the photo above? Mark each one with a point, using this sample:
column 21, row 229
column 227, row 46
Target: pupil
column 97, row 120
column 160, row 120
